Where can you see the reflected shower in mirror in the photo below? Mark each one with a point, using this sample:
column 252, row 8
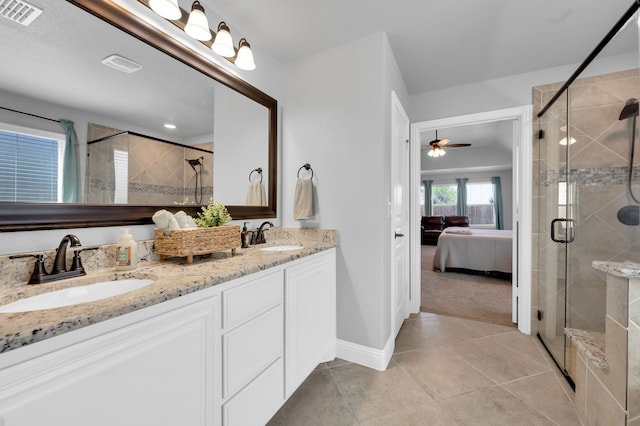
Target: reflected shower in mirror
column 126, row 167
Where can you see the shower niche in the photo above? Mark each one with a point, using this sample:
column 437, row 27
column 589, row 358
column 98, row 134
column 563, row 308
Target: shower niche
column 130, row 168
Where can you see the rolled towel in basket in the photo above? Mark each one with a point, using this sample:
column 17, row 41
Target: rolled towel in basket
column 184, row 220
column 303, row 200
column 165, row 220
column 255, row 194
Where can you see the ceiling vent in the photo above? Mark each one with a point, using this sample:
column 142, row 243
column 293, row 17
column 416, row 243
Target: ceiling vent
column 121, row 64
column 19, row 11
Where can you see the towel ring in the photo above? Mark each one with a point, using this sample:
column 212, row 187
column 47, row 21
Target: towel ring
column 258, row 170
column 308, row 168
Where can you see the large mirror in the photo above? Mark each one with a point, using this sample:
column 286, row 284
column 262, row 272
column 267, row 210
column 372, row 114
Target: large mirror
column 224, row 140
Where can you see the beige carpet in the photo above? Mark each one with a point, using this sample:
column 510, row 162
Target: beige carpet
column 475, row 297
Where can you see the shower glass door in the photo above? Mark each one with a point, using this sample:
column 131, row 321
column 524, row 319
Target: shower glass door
column 553, row 226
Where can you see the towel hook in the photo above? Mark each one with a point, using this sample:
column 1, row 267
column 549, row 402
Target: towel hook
column 258, row 170
column 307, row 167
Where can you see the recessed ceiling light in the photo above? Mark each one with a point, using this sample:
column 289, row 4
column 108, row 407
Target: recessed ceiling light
column 169, row 126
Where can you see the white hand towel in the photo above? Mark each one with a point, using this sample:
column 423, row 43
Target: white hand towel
column 303, row 200
column 165, row 220
column 184, row 220
column 255, row 194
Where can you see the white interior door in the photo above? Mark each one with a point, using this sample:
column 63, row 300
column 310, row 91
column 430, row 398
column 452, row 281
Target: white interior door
column 400, row 273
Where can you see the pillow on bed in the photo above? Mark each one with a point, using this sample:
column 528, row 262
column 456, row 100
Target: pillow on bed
column 457, row 230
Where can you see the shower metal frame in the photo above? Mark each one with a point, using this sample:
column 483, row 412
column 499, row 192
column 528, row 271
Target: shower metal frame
column 587, row 61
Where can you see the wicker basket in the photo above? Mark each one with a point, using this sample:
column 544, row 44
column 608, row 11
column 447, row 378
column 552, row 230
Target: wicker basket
column 190, row 242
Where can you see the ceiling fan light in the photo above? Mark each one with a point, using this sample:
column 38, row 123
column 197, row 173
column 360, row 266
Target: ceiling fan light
column 168, row 9
column 223, row 43
column 244, row 58
column 197, row 24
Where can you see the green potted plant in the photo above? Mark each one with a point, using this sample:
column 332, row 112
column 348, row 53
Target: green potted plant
column 213, row 214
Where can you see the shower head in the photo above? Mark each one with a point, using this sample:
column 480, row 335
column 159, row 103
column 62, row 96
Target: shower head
column 195, row 162
column 630, row 109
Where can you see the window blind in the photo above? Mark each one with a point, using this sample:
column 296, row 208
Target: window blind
column 28, row 168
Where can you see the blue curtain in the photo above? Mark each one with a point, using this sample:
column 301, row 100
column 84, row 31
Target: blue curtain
column 497, row 201
column 428, row 210
column 70, row 165
column 461, row 205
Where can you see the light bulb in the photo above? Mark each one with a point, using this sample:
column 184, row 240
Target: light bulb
column 168, row 9
column 197, row 25
column 223, row 44
column 244, row 58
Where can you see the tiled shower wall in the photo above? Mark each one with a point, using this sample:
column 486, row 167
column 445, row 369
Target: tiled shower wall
column 158, row 172
column 598, row 164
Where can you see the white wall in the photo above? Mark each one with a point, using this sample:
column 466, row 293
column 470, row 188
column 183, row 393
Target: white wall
column 337, row 118
column 240, row 132
column 507, row 92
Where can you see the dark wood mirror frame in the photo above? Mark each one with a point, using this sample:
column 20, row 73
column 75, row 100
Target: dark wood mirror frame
column 33, row 216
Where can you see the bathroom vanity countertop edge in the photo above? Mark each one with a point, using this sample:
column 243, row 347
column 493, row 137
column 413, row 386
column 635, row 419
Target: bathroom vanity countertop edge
column 174, row 278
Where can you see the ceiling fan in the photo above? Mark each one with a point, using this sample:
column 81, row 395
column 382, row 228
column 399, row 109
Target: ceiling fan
column 437, row 144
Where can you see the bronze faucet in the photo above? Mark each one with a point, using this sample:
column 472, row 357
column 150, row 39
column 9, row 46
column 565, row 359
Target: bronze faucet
column 59, row 270
column 258, row 237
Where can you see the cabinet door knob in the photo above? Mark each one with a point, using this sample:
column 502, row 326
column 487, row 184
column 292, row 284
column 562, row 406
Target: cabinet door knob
column 398, row 235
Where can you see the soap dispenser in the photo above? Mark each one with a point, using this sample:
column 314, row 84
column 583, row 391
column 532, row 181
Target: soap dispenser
column 126, row 252
column 245, row 236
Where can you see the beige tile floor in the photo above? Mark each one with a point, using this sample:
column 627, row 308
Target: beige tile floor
column 445, row 371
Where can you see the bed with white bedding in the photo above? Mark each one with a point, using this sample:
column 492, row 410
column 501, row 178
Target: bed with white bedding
column 474, row 250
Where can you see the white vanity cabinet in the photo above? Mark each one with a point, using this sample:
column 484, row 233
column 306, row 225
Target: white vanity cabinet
column 310, row 313
column 146, row 373
column 228, row 355
column 276, row 330
column 252, row 349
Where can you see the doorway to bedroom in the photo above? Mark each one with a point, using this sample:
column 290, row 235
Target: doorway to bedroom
column 468, row 214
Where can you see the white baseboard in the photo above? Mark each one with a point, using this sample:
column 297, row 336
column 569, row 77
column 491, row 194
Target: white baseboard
column 364, row 355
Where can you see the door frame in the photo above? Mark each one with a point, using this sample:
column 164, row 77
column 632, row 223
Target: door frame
column 396, row 107
column 522, row 203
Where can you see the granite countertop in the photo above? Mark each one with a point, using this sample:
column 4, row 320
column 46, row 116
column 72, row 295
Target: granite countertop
column 173, row 278
column 620, row 269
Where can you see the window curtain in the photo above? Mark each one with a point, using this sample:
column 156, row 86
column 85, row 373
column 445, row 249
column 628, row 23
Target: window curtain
column 428, row 209
column 497, row 201
column 461, row 205
column 70, row 165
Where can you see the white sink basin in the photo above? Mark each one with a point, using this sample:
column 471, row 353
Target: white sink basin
column 281, row 248
column 75, row 295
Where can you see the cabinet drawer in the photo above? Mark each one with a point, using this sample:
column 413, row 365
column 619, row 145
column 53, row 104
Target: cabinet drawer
column 259, row 401
column 246, row 301
column 249, row 349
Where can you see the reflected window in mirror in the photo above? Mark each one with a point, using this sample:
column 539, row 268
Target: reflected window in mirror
column 30, row 165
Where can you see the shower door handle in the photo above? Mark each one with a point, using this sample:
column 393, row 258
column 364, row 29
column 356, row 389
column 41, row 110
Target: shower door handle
column 568, row 235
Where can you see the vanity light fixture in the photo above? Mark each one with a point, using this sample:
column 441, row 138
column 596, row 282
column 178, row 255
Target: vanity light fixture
column 244, row 57
column 197, row 24
column 168, row 9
